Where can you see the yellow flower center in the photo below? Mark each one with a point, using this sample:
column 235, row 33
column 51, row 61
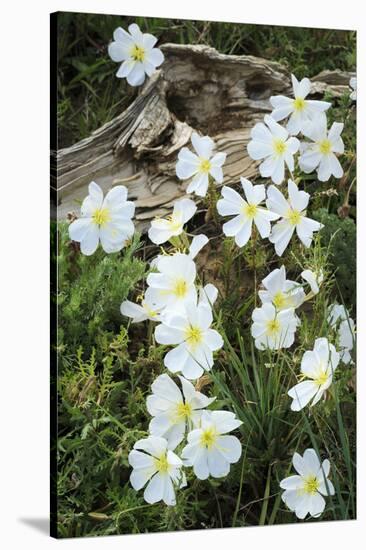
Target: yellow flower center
column 325, row 147
column 101, row 216
column 311, row 485
column 175, row 222
column 321, row 379
column 208, row 438
column 180, row 288
column 299, row 104
column 193, row 336
column 279, row 300
column 205, row 166
column 279, row 146
column 149, row 312
column 273, row 327
column 138, row 53
column 161, row 464
column 250, row 210
column 294, row 216
column 184, row 410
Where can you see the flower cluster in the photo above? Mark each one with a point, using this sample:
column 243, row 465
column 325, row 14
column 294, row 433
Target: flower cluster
column 278, row 146
column 184, row 432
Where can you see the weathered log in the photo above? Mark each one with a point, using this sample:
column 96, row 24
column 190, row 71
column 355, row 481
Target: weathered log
column 197, row 88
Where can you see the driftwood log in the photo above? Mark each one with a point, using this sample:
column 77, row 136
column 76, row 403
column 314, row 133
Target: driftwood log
column 198, row 89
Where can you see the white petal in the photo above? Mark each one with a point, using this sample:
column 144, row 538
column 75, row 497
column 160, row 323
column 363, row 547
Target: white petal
column 119, row 51
column 125, row 68
column 199, row 185
column 243, row 236
column 230, row 447
column 90, row 241
column 165, row 334
column 137, row 75
column 79, row 228
column 301, row 394
column 202, row 145
column 232, row 227
column 198, row 242
column 155, row 489
column 156, row 446
column 217, row 464
column 176, row 359
column 155, row 57
column 298, row 199
column 213, row 339
column 135, row 311
column 276, row 202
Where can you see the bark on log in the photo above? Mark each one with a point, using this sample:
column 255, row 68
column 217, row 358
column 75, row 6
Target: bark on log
column 197, row 88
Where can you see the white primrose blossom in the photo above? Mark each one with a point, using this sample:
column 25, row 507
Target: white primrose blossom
column 303, row 492
column 318, row 366
column 315, row 279
column 137, row 52
column 281, row 292
column 293, row 217
column 162, row 229
column 353, row 85
column 200, row 165
column 271, row 142
column 190, row 331
column 338, row 315
column 246, row 212
column 272, row 329
column 299, row 109
column 173, row 286
column 153, row 462
column 140, row 312
column 105, row 220
column 172, row 411
column 321, row 154
column 209, row 450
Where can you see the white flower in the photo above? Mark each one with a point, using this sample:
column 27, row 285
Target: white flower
column 303, row 492
column 173, row 414
column 320, row 154
column 346, row 330
column 194, row 338
column 293, row 213
column 272, row 143
column 173, row 285
column 245, row 211
column 272, row 329
column 137, row 52
column 200, row 165
column 301, row 110
column 209, row 450
column 107, row 221
column 137, row 312
column 282, row 293
column 353, row 84
column 157, row 464
column 314, row 279
column 318, row 365
column 162, row 230
column 346, row 336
